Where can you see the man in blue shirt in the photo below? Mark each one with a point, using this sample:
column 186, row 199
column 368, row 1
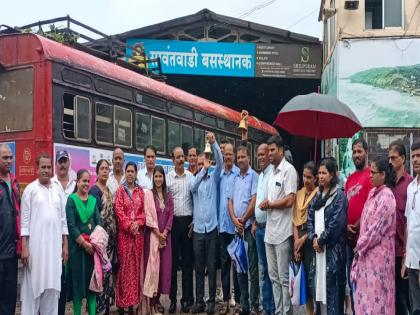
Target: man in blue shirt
column 241, row 208
column 226, row 226
column 204, row 188
column 258, row 228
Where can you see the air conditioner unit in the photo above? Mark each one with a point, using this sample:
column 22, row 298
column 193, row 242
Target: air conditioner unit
column 351, row 4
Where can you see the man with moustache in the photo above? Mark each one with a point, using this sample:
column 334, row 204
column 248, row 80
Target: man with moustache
column 204, row 188
column 63, row 186
column 241, row 209
column 145, row 174
column 397, row 157
column 44, row 243
column 192, row 160
column 226, row 226
column 357, row 190
column 411, row 263
column 179, row 184
column 9, row 232
column 281, row 194
column 116, row 177
column 258, row 228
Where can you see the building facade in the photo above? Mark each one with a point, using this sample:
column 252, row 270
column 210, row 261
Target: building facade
column 371, row 62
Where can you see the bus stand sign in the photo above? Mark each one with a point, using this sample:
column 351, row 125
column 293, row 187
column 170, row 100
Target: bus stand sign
column 199, row 58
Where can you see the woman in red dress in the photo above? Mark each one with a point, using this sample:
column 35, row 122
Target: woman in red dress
column 129, row 210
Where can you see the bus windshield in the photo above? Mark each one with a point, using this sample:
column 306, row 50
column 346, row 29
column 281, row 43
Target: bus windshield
column 16, row 100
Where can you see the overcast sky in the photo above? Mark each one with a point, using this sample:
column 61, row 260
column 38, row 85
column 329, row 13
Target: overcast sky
column 112, row 16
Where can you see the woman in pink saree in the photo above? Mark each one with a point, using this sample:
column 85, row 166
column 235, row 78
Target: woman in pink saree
column 159, row 209
column 372, row 273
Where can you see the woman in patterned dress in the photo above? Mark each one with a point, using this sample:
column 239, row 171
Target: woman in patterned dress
column 129, row 210
column 373, row 267
column 104, row 201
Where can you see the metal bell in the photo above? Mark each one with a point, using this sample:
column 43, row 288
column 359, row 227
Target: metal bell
column 207, row 149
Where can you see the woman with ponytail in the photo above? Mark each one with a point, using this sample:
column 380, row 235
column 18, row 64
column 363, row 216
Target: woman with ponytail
column 373, row 274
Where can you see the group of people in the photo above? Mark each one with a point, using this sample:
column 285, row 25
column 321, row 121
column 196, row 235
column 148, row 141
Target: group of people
column 122, row 240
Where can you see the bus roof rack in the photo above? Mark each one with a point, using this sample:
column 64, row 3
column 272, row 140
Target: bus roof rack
column 106, row 47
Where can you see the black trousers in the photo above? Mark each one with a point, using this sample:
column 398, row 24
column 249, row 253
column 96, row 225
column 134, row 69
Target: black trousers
column 63, row 293
column 413, row 280
column 226, row 268
column 182, row 247
column 205, row 255
column 8, row 285
column 402, row 299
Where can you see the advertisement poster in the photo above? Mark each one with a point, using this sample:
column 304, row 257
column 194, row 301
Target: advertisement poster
column 85, row 157
column 380, row 81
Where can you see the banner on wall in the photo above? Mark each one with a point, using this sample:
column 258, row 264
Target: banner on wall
column 85, row 157
column 383, row 89
column 232, row 59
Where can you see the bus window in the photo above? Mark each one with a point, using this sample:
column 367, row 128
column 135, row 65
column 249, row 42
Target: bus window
column 186, row 137
column 158, row 134
column 205, row 119
column 199, row 139
column 154, row 102
column 76, row 77
column 76, row 117
column 180, row 111
column 249, row 146
column 83, row 118
column 122, row 126
column 142, row 131
column 174, row 138
column 113, row 89
column 16, row 100
column 256, row 166
column 230, row 140
column 104, row 122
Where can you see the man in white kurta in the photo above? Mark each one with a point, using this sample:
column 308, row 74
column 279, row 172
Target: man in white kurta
column 44, row 243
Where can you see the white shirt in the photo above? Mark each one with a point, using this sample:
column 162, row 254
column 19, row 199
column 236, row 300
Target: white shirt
column 63, row 192
column 412, row 213
column 113, row 184
column 44, row 221
column 180, row 186
column 144, row 180
column 282, row 182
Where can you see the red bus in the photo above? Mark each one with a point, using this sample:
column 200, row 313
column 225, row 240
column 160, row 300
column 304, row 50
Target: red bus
column 55, row 97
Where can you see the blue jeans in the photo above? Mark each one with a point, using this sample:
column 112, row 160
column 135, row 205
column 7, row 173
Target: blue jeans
column 267, row 289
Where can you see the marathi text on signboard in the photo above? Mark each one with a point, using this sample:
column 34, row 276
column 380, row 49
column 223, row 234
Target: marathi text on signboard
column 200, row 58
column 233, row 59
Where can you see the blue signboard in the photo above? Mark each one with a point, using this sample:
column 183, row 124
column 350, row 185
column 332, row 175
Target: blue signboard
column 199, row 58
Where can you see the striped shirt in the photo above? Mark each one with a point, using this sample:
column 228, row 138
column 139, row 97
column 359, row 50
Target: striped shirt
column 179, row 186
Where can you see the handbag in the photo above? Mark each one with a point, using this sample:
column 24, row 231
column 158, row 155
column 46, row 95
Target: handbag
column 238, row 250
column 297, row 283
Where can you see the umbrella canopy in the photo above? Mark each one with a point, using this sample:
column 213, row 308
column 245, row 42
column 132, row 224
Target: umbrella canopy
column 318, row 116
